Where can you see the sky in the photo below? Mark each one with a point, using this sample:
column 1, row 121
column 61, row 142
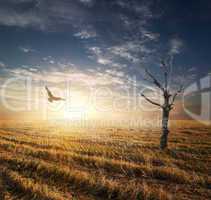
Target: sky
column 93, row 54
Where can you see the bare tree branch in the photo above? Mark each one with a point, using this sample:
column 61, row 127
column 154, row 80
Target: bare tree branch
column 155, row 81
column 166, row 80
column 168, row 98
column 150, row 101
column 176, row 94
column 167, row 66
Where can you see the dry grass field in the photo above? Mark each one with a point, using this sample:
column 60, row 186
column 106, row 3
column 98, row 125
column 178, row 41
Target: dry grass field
column 54, row 163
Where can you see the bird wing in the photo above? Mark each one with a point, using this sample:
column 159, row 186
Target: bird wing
column 59, row 99
column 49, row 92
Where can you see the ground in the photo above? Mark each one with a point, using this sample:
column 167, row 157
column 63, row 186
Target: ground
column 54, row 162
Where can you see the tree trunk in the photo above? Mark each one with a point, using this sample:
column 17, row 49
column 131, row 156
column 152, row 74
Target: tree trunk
column 165, row 130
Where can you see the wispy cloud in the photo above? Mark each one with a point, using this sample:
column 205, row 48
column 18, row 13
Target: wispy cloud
column 131, row 51
column 85, row 34
column 176, row 46
column 51, row 61
column 43, row 15
column 87, row 2
column 103, row 61
column 103, row 56
column 26, row 49
column 70, row 73
column 113, row 47
column 126, row 51
column 98, row 55
column 140, row 7
column 2, row 64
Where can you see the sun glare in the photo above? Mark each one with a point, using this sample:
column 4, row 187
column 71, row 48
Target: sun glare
column 77, row 107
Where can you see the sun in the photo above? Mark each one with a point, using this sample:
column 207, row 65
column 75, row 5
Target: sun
column 78, row 107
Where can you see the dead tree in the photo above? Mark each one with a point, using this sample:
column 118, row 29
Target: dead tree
column 168, row 99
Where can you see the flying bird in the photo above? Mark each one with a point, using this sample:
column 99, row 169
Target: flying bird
column 51, row 97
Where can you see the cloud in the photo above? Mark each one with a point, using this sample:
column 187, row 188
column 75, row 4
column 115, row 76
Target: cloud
column 103, row 61
column 98, row 55
column 2, row 65
column 132, row 51
column 111, row 58
column 62, row 71
column 33, row 69
column 176, row 45
column 47, row 58
column 87, row 2
column 51, row 61
column 82, row 21
column 76, row 77
column 10, row 16
column 104, row 57
column 26, row 50
column 115, row 72
column 96, row 50
column 48, row 15
column 124, row 52
column 85, row 34
column 113, row 46
column 150, row 35
column 44, row 15
column 139, row 7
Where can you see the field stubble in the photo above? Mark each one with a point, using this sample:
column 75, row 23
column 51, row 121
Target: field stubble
column 53, row 163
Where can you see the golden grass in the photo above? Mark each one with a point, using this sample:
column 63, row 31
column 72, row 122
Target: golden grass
column 30, row 188
column 58, row 164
